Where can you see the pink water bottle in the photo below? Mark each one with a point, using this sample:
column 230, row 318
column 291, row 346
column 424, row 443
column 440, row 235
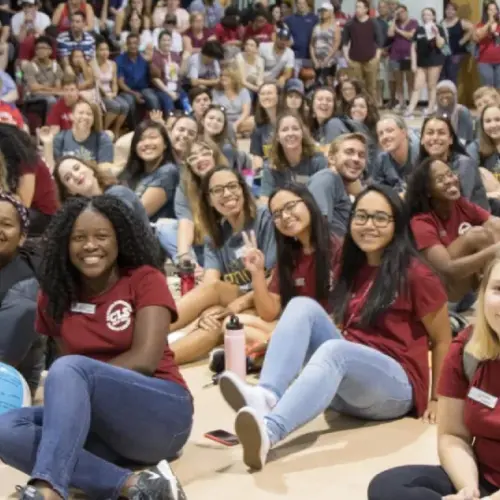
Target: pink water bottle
column 234, row 348
column 186, row 273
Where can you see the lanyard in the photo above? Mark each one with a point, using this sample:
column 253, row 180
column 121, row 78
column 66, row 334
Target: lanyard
column 355, row 311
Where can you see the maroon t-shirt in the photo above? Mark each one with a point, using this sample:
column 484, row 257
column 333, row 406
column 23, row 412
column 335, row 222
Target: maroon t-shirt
column 60, row 114
column 399, row 331
column 264, row 34
column 45, row 196
column 108, row 329
column 197, row 43
column 430, row 230
column 482, row 422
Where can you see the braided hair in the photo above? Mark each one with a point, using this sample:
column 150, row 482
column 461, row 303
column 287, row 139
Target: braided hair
column 59, row 279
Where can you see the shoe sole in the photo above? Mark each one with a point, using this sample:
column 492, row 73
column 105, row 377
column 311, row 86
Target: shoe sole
column 231, row 394
column 248, row 432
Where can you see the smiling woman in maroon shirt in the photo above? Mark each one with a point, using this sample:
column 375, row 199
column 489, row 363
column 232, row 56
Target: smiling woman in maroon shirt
column 116, row 395
column 469, row 416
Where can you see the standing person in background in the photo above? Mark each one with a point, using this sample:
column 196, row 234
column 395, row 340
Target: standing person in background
column 325, row 43
column 401, row 32
column 29, row 21
column 65, row 10
column 386, row 76
column 362, row 42
column 211, row 9
column 460, row 32
column 487, row 36
column 301, row 26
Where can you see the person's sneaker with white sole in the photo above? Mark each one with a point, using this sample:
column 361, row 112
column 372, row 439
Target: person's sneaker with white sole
column 251, row 430
column 239, row 394
column 28, row 493
column 157, row 483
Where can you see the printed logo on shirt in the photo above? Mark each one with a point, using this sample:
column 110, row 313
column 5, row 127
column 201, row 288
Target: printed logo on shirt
column 463, row 228
column 119, row 316
column 300, row 282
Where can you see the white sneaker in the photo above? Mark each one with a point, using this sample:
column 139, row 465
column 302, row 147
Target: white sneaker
column 252, row 433
column 239, row 394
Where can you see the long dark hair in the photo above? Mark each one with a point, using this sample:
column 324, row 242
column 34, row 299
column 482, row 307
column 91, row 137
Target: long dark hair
column 134, row 169
column 210, row 218
column 392, row 274
column 19, row 152
column 313, row 121
column 60, row 280
column 456, row 147
column 288, row 249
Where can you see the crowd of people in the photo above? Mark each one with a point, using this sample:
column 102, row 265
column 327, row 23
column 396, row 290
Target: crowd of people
column 347, row 243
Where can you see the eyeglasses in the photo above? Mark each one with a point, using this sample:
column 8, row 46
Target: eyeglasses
column 380, row 219
column 218, row 191
column 198, row 156
column 287, row 208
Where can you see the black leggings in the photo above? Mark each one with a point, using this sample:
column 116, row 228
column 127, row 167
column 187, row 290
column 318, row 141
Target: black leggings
column 416, row 482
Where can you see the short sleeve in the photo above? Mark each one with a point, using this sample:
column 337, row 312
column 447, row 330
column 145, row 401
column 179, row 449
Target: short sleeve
column 425, row 233
column 268, row 182
column 167, row 178
column 181, row 205
column 245, row 97
column 266, row 237
column 319, row 162
column 452, row 382
column 44, row 324
column 290, row 59
column 119, row 67
column 29, row 74
column 58, row 145
column 333, row 129
column 53, row 117
column 105, row 151
column 151, row 289
column 477, row 215
column 428, row 293
column 210, row 258
column 193, row 71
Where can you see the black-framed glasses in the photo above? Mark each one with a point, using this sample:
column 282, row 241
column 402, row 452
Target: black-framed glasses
column 219, row 190
column 379, row 219
column 287, row 208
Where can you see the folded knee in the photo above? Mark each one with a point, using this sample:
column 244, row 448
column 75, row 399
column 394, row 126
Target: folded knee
column 303, row 305
column 68, row 364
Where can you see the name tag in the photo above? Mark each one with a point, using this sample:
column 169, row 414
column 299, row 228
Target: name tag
column 301, row 179
column 300, row 282
column 80, row 307
column 240, row 253
column 483, row 397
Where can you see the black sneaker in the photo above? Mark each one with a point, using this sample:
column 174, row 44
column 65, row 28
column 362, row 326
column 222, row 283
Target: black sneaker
column 29, row 493
column 158, row 483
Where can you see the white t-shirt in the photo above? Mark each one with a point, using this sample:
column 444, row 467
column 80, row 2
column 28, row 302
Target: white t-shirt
column 145, row 39
column 251, row 71
column 274, row 64
column 42, row 21
column 177, row 45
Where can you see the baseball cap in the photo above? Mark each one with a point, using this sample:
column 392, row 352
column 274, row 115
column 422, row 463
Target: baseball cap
column 283, row 33
column 294, row 85
column 326, row 6
column 28, row 2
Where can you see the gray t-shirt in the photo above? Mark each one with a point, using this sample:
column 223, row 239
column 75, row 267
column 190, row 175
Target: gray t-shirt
column 273, row 178
column 228, row 259
column 181, row 205
column 322, row 42
column 275, row 64
column 130, row 199
column 97, row 147
column 328, row 190
column 234, row 107
column 198, row 70
column 167, row 178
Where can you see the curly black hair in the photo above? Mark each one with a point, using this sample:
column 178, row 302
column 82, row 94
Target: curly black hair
column 59, row 279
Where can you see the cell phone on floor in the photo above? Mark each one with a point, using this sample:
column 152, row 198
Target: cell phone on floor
column 223, row 437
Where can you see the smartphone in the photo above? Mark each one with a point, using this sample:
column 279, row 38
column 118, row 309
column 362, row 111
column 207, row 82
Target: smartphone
column 223, row 437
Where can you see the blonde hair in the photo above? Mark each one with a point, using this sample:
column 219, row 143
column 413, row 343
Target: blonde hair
column 482, row 91
column 277, row 156
column 487, row 146
column 233, row 73
column 192, row 183
column 338, row 141
column 484, row 343
column 97, row 125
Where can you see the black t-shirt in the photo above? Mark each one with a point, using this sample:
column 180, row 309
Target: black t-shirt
column 428, row 53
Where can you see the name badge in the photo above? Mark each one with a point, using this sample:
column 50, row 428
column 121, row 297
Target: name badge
column 240, row 253
column 300, row 282
column 483, row 397
column 80, row 307
column 301, row 179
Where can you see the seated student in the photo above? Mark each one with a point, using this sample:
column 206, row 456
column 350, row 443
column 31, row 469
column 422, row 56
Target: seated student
column 294, row 156
column 116, row 395
column 456, row 236
column 204, row 67
column 346, row 90
column 321, row 117
column 468, row 442
column 439, row 141
column 20, row 345
column 59, row 117
column 376, row 366
column 335, row 188
column 76, row 177
column 460, row 117
column 183, row 238
column 200, row 99
column 294, row 98
column 226, row 210
column 400, row 150
column 85, row 139
column 151, row 170
column 279, row 59
column 28, row 177
column 485, row 150
column 182, row 135
column 484, row 96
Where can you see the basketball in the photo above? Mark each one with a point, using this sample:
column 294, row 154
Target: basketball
column 14, row 391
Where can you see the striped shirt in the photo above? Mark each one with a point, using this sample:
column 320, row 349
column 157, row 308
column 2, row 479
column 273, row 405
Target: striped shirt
column 66, row 44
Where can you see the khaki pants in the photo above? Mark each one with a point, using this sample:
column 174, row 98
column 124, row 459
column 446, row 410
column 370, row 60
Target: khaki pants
column 366, row 72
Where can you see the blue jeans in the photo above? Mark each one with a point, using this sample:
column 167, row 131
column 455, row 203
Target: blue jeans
column 150, row 98
column 451, row 67
column 168, row 104
column 311, row 367
column 95, row 415
column 167, row 236
column 490, row 74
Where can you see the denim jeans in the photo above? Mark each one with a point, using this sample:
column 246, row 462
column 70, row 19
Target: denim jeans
column 95, row 416
column 451, row 67
column 168, row 104
column 347, row 377
column 167, row 236
column 489, row 74
column 150, row 98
